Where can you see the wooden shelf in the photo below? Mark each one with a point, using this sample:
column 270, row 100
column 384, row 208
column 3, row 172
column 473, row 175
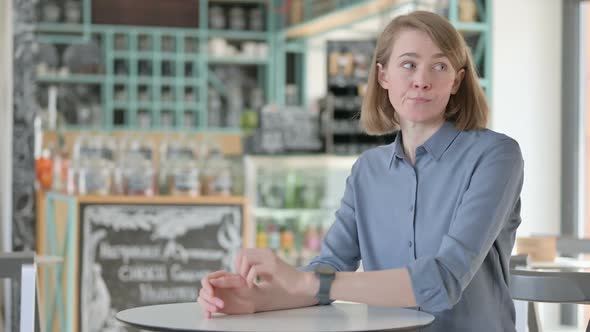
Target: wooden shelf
column 238, row 35
column 72, row 78
column 239, row 60
column 341, row 18
column 180, row 200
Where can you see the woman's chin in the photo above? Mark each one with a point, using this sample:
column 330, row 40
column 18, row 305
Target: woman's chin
column 421, row 119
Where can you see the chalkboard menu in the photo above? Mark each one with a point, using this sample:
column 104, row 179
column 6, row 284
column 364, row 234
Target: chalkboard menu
column 137, row 255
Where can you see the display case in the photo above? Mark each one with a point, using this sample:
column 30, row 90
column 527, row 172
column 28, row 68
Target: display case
column 293, row 201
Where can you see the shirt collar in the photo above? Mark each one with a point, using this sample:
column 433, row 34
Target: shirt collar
column 436, row 145
column 398, row 147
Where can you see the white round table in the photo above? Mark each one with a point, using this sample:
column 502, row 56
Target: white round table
column 341, row 317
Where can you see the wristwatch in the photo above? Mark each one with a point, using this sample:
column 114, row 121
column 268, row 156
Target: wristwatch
column 326, row 275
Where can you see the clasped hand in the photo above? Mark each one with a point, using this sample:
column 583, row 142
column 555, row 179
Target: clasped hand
column 237, row 293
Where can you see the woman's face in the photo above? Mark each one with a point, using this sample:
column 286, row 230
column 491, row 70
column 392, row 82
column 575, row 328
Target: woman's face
column 419, row 79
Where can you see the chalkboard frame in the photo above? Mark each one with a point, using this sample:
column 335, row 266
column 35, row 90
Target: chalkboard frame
column 238, row 205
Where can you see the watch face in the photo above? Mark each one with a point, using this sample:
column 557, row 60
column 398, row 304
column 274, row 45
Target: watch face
column 324, row 269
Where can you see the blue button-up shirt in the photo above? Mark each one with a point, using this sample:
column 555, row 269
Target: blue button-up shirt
column 450, row 219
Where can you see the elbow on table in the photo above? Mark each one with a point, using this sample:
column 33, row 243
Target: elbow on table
column 435, row 287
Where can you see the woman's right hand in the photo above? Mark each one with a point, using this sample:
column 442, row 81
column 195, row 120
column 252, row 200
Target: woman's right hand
column 227, row 293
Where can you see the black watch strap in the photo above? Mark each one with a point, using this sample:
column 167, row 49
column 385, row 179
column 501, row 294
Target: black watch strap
column 326, row 275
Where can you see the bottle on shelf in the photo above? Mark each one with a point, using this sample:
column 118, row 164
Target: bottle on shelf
column 261, row 235
column 312, row 238
column 287, row 236
column 61, row 165
column 44, row 170
column 274, row 237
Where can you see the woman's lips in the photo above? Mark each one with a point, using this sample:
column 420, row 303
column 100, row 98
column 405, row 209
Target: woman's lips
column 420, row 99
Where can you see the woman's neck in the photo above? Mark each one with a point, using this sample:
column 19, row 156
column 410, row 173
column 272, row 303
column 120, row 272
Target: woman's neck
column 415, row 134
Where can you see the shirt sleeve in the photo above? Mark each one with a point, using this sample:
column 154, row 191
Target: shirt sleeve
column 340, row 245
column 486, row 206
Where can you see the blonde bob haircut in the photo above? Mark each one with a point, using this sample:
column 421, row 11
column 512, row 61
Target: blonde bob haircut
column 467, row 109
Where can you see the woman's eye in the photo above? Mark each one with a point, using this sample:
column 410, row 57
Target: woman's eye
column 440, row 67
column 408, row 65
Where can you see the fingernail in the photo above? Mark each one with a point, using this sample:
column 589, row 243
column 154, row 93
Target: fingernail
column 219, row 303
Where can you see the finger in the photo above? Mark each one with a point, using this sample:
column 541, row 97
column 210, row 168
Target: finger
column 252, row 274
column 231, row 281
column 207, row 308
column 255, row 256
column 204, row 290
column 209, row 303
column 258, row 257
column 245, row 267
column 205, row 280
column 211, row 298
column 262, row 271
column 238, row 261
column 206, row 294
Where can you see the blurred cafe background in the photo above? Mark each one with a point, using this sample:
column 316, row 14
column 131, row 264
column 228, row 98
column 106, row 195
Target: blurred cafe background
column 142, row 142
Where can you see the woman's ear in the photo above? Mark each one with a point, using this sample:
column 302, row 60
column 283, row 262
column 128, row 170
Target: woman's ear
column 382, row 76
column 458, row 80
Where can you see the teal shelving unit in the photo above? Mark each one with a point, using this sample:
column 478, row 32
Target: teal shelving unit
column 157, row 73
column 142, row 80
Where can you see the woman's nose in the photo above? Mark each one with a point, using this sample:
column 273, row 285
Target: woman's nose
column 421, row 80
column 421, row 85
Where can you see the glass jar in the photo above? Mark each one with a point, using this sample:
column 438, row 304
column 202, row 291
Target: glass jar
column 137, row 173
column 73, row 11
column 217, row 176
column 184, row 179
column 139, row 178
column 237, row 18
column 256, row 19
column 180, row 171
column 94, row 177
column 216, row 18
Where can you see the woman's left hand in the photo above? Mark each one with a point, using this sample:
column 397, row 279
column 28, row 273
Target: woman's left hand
column 264, row 263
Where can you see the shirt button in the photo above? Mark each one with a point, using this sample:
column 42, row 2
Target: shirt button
column 411, row 208
column 410, row 244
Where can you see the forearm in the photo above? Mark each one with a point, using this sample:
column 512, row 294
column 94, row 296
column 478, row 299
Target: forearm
column 391, row 288
column 270, row 297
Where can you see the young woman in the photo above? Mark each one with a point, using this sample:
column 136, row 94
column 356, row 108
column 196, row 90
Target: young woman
column 432, row 216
